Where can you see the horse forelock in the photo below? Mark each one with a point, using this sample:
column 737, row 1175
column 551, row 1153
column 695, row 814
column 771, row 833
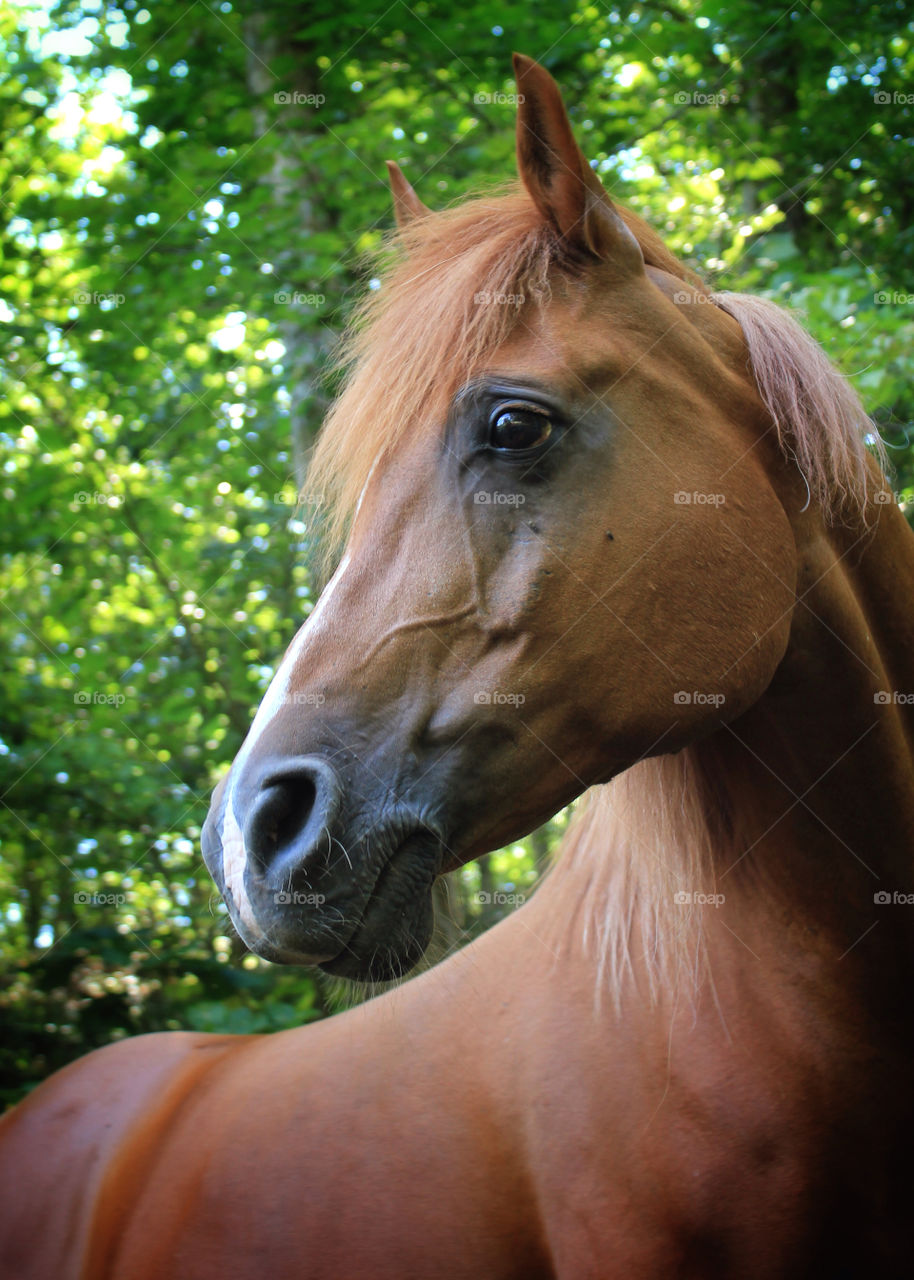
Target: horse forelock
column 453, row 286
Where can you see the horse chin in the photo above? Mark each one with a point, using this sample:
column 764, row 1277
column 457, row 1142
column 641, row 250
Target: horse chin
column 388, row 943
column 386, row 934
column 397, row 922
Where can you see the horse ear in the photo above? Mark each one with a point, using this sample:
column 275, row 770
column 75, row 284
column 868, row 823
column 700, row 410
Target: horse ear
column 555, row 171
column 407, row 205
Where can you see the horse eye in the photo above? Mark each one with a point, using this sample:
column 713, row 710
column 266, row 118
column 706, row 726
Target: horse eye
column 518, row 429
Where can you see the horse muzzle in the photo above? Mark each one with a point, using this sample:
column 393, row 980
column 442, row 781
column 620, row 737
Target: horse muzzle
column 306, row 882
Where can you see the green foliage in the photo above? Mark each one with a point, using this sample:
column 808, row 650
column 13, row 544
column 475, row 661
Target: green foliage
column 188, row 195
column 101, row 983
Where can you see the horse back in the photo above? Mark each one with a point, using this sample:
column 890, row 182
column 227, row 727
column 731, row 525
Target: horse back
column 74, row 1153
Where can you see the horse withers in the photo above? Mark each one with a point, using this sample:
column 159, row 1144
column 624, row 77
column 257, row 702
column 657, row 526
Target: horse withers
column 603, row 530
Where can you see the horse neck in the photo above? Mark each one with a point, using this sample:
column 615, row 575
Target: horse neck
column 817, row 779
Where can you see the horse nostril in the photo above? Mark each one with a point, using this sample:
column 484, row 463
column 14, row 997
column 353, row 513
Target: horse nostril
column 290, row 815
column 278, row 815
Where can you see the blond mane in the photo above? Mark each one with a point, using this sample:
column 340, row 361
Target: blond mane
column 625, row 883
column 454, row 286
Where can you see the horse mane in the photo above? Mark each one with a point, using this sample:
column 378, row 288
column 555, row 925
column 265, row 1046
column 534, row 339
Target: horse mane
column 637, row 851
column 819, row 418
column 453, row 285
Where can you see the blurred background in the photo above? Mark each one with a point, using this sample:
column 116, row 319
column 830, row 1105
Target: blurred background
column 190, row 192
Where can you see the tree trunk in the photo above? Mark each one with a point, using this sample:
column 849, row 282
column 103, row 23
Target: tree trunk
column 306, row 340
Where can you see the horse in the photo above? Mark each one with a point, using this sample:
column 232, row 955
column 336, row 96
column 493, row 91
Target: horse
column 603, row 530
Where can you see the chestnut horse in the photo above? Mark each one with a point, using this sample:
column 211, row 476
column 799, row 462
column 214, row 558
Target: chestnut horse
column 602, row 524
